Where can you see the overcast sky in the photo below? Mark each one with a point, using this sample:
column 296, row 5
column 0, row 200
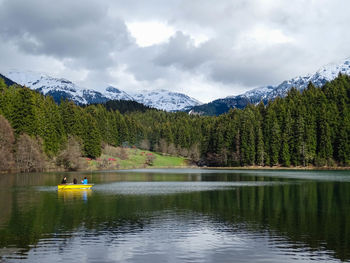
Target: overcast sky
column 206, row 49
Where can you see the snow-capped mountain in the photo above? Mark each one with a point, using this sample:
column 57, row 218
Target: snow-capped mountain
column 319, row 78
column 7, row 81
column 113, row 93
column 165, row 100
column 60, row 88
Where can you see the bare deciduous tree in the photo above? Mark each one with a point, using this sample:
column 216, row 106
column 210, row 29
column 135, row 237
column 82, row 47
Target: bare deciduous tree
column 28, row 154
column 182, row 151
column 7, row 140
column 120, row 152
column 172, row 149
column 163, row 145
column 70, row 157
column 145, row 144
column 194, row 153
column 110, row 150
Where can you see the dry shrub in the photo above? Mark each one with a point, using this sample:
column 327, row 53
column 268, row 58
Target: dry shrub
column 123, row 153
column 156, row 147
column 150, row 158
column 145, row 145
column 194, row 153
column 7, row 140
column 105, row 163
column 119, row 152
column 29, row 155
column 172, row 149
column 70, row 157
column 110, row 150
column 182, row 151
column 163, row 146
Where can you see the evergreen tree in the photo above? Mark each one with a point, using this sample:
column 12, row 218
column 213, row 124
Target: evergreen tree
column 22, row 116
column 272, row 136
column 92, row 138
column 247, row 137
column 324, row 145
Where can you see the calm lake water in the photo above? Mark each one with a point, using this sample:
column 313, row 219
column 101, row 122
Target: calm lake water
column 177, row 216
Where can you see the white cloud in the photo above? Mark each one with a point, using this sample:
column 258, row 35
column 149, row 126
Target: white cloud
column 264, row 36
column 150, row 33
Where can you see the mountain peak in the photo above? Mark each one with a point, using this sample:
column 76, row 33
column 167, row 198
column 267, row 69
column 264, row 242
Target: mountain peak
column 60, row 88
column 319, row 78
column 331, row 71
column 165, row 100
column 113, row 93
column 112, row 89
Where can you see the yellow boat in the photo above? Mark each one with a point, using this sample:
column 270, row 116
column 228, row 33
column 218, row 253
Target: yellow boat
column 74, row 186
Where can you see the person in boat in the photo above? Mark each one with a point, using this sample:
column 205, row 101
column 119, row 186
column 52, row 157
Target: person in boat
column 75, row 181
column 64, row 180
column 85, row 181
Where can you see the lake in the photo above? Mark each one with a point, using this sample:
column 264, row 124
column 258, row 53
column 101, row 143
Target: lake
column 171, row 215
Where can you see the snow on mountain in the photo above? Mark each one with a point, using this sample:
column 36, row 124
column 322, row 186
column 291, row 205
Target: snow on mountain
column 113, row 93
column 7, row 81
column 56, row 87
column 319, row 78
column 165, row 100
column 60, row 88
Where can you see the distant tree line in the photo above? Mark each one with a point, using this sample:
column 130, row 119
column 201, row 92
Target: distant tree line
column 304, row 128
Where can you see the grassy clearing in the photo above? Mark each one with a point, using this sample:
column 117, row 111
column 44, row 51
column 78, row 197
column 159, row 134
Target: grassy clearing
column 134, row 158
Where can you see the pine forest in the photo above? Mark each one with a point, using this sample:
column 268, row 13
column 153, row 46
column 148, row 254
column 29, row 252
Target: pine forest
column 308, row 128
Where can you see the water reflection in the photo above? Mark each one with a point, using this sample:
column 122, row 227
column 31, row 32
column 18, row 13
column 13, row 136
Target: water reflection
column 74, row 194
column 183, row 217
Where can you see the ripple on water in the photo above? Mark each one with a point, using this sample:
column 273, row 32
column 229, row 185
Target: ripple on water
column 161, row 188
column 188, row 228
column 169, row 237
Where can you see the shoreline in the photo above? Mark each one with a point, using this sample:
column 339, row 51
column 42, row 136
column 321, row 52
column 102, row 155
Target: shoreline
column 257, row 168
column 266, row 168
column 298, row 168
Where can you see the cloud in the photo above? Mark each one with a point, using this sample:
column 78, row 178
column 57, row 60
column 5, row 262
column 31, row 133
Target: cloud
column 205, row 49
column 64, row 30
column 150, row 33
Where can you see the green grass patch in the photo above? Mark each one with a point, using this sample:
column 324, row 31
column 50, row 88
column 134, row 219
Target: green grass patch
column 135, row 158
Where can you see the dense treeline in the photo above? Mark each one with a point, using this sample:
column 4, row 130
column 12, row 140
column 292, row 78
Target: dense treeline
column 308, row 128
column 124, row 106
column 304, row 128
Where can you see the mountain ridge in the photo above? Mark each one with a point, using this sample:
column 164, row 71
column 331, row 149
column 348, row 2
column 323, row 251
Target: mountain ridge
column 7, row 81
column 266, row 93
column 60, row 88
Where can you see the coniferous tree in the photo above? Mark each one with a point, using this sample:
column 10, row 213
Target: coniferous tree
column 324, row 149
column 247, row 137
column 22, row 116
column 92, row 138
column 272, row 136
column 260, row 151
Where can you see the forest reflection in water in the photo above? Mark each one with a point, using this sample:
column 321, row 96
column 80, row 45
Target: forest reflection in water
column 171, row 215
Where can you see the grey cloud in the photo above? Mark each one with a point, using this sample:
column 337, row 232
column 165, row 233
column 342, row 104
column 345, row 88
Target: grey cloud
column 91, row 36
column 37, row 16
column 224, row 64
column 180, row 51
column 139, row 62
column 67, row 29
